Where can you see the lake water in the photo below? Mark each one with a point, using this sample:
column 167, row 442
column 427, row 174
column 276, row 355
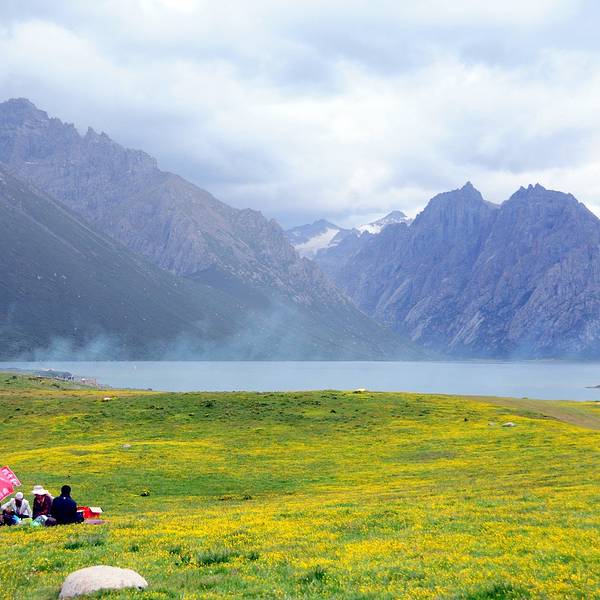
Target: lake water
column 548, row 380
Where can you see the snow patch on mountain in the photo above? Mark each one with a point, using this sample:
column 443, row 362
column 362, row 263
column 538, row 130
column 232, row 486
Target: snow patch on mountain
column 375, row 227
column 320, row 235
column 318, row 242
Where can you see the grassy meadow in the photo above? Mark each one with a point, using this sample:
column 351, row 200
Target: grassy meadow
column 308, row 495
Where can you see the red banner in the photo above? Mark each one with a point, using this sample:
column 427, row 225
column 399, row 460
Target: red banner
column 6, row 488
column 6, row 473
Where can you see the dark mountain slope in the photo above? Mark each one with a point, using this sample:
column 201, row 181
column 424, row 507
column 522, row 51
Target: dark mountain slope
column 61, row 280
column 65, row 287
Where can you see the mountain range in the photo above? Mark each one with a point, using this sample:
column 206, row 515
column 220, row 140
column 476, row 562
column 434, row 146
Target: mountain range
column 310, row 239
column 474, row 279
column 242, row 278
column 104, row 254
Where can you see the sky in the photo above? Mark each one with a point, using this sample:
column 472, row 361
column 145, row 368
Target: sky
column 339, row 109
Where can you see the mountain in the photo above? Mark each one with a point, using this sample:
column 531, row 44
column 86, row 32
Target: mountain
column 308, row 240
column 470, row 278
column 375, row 227
column 121, row 192
column 67, row 290
column 182, row 229
column 62, row 282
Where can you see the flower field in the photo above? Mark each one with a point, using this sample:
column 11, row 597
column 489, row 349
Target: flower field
column 308, row 495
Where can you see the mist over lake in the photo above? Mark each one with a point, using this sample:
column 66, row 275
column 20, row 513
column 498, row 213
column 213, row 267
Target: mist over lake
column 547, row 380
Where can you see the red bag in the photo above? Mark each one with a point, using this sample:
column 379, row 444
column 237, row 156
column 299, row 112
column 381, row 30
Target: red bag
column 90, row 512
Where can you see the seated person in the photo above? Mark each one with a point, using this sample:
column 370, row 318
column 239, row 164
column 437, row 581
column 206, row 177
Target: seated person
column 42, row 503
column 8, row 517
column 17, row 506
column 64, row 508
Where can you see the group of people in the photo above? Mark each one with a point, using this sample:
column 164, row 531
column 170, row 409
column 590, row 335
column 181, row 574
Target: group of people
column 44, row 510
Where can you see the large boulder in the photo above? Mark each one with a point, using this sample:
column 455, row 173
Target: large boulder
column 93, row 579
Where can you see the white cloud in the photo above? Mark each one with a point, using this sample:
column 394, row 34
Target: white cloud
column 344, row 110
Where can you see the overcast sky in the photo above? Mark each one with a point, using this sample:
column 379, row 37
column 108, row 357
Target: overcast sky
column 340, row 109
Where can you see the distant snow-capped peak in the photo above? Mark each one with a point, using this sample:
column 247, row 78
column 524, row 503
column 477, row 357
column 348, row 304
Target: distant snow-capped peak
column 313, row 237
column 322, row 240
column 375, row 227
column 309, row 239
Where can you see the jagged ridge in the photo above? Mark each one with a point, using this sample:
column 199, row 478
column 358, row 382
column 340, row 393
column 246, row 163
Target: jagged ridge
column 471, row 278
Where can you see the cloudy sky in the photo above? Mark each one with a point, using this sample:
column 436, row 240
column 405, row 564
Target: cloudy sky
column 341, row 109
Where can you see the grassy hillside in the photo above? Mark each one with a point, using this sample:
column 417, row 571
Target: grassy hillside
column 309, row 495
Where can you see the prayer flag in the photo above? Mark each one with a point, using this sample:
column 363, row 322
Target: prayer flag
column 6, row 473
column 6, row 488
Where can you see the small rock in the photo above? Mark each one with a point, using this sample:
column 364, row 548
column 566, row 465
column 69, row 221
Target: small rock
column 126, row 446
column 94, row 579
column 509, row 424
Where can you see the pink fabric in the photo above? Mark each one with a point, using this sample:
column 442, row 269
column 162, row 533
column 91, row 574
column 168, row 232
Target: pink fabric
column 6, row 488
column 7, row 473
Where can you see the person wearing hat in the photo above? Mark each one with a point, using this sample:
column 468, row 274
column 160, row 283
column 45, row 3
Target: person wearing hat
column 16, row 507
column 42, row 503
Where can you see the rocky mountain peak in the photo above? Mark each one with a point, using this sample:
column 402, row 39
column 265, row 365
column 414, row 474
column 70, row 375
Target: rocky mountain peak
column 530, row 190
column 19, row 112
column 393, row 218
column 93, row 168
column 324, row 223
column 536, row 201
column 537, row 191
column 466, row 195
column 455, row 210
column 395, row 214
column 92, row 135
column 21, row 106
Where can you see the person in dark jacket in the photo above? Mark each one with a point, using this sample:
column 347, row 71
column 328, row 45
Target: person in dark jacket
column 64, row 508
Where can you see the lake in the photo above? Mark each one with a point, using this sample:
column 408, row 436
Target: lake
column 548, row 380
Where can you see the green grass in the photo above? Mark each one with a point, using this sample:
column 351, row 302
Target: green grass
column 310, row 494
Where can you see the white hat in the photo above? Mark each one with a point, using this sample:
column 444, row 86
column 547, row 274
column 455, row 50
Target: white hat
column 19, row 495
column 38, row 490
